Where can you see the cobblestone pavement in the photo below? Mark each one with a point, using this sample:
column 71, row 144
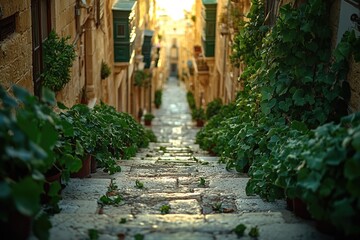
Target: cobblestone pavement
column 205, row 200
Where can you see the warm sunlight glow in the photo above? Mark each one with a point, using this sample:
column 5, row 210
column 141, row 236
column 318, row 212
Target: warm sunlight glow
column 175, row 8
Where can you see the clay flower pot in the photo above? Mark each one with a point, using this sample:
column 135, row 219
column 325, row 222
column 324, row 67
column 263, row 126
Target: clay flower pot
column 85, row 170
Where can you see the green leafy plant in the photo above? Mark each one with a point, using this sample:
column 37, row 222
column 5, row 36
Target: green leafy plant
column 112, row 187
column 149, row 117
column 139, row 184
column 139, row 236
column 217, row 207
column 123, row 221
column 58, row 58
column 327, row 174
column 162, row 148
column 112, row 196
column 165, row 209
column 254, row 232
column 202, row 182
column 93, row 234
column 141, row 78
column 105, row 70
column 213, row 108
column 198, row 114
column 191, row 100
column 158, row 98
column 110, row 200
column 28, row 135
column 239, row 230
column 150, row 135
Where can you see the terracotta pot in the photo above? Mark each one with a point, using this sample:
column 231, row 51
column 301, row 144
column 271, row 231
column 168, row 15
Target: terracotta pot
column 18, row 226
column 300, row 209
column 147, row 122
column 93, row 165
column 199, row 123
column 85, row 170
column 50, row 177
column 289, row 204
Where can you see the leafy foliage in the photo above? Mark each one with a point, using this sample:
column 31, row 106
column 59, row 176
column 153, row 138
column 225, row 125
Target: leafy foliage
column 28, row 136
column 198, row 114
column 213, row 108
column 57, row 50
column 248, row 42
column 141, row 78
column 35, row 140
column 158, row 98
column 293, row 83
column 202, row 182
column 239, row 230
column 165, row 209
column 254, row 232
column 149, row 117
column 105, row 70
column 191, row 100
column 329, row 174
column 139, row 184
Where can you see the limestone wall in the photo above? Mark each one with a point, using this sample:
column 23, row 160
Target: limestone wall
column 16, row 49
column 93, row 44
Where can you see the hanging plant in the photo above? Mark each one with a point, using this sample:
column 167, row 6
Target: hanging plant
column 105, row 70
column 141, row 78
column 58, row 58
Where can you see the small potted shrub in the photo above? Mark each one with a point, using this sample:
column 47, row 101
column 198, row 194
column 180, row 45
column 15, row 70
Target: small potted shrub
column 198, row 114
column 148, row 117
column 213, row 108
column 141, row 78
column 158, row 96
column 105, row 70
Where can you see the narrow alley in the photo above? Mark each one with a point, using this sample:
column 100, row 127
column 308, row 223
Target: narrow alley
column 172, row 190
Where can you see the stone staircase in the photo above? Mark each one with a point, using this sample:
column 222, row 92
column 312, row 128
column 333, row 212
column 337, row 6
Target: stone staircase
column 172, row 191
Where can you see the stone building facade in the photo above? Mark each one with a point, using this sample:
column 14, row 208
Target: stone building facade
column 89, row 24
column 16, row 44
column 219, row 78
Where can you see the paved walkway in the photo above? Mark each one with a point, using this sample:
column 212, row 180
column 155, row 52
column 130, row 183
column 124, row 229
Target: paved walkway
column 203, row 200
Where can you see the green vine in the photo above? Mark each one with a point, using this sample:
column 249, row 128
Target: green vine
column 248, row 41
column 293, row 82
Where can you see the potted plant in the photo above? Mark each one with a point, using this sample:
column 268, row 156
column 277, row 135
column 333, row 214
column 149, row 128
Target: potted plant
column 191, row 100
column 158, row 98
column 57, row 50
column 198, row 114
column 140, row 78
column 105, row 70
column 28, row 134
column 148, row 117
column 79, row 145
column 328, row 178
column 213, row 108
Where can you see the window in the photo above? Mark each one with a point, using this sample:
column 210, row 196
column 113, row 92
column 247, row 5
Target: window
column 41, row 26
column 7, row 27
column 120, row 30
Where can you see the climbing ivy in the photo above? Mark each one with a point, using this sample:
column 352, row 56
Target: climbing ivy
column 293, row 82
column 297, row 77
column 248, row 42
